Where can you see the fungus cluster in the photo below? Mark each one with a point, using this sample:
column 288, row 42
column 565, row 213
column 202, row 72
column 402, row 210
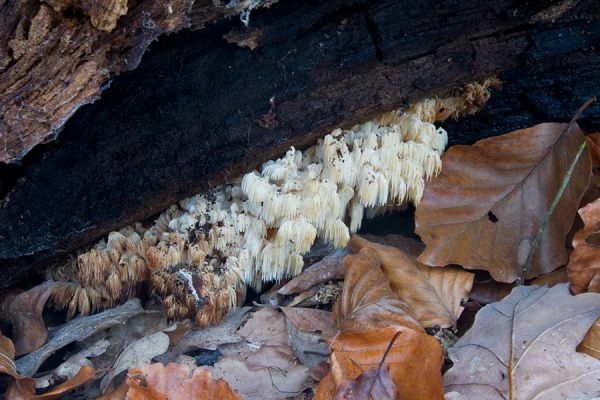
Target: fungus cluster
column 200, row 254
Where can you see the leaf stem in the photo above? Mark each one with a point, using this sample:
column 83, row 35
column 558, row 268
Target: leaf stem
column 542, row 227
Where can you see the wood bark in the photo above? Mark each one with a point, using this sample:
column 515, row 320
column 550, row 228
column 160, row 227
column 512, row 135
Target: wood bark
column 203, row 107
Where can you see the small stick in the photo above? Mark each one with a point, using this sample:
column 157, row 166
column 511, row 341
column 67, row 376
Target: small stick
column 383, row 359
column 542, row 227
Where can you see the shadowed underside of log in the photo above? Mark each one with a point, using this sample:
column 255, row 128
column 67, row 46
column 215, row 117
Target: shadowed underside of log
column 199, row 110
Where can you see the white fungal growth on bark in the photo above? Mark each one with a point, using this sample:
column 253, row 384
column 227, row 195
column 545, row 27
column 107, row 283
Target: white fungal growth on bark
column 257, row 229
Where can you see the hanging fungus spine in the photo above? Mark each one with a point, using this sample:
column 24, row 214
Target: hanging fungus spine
column 200, row 254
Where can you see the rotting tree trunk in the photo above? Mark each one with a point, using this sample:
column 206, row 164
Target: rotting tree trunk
column 200, row 111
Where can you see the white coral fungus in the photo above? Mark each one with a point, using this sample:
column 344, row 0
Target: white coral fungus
column 258, row 229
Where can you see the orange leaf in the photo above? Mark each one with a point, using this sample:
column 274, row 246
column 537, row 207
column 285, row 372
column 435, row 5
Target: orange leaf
column 369, row 315
column 24, row 312
column 367, row 301
column 414, row 361
column 483, row 211
column 584, row 262
column 176, row 382
column 434, row 295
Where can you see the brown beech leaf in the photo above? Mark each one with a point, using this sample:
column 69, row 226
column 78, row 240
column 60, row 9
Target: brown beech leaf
column 374, row 383
column 434, row 295
column 24, row 312
column 590, row 344
column 484, row 209
column 584, row 261
column 370, row 316
column 414, row 361
column 367, row 301
column 176, row 382
column 524, row 348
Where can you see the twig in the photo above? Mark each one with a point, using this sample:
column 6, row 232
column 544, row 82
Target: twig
column 382, row 360
column 542, row 227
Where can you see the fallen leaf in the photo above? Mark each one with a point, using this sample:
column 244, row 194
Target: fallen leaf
column 584, row 262
column 23, row 388
column 434, row 295
column 367, row 301
column 590, row 344
column 84, row 375
column 263, row 383
column 24, row 312
column 18, row 384
column 375, row 383
column 309, row 329
column 209, row 338
column 262, row 365
column 77, row 330
column 328, row 269
column 136, row 355
column 484, row 209
column 73, row 365
column 524, row 348
column 414, row 361
column 370, row 315
column 176, row 382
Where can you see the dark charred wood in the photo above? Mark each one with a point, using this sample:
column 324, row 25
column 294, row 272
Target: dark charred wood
column 199, row 110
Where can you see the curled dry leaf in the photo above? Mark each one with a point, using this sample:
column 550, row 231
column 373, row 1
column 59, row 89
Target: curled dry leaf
column 484, row 210
column 136, row 355
column 584, row 262
column 23, row 388
column 524, row 348
column 176, row 382
column 24, row 312
column 328, row 269
column 77, row 330
column 367, row 301
column 590, row 344
column 369, row 315
column 434, row 295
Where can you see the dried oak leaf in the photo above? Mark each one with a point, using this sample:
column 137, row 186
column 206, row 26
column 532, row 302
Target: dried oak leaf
column 24, row 312
column 524, row 348
column 176, row 382
column 434, row 295
column 584, row 261
column 484, row 209
column 369, row 315
column 590, row 344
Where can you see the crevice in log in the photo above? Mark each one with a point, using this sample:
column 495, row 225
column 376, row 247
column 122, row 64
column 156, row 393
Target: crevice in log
column 189, row 117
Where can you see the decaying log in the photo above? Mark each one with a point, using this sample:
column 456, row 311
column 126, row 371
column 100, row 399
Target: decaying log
column 55, row 55
column 203, row 107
